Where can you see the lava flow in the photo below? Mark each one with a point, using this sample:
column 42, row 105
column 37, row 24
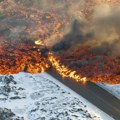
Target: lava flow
column 29, row 58
column 26, row 37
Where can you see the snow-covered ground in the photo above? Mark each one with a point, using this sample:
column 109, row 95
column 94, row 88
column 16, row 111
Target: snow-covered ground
column 25, row 96
column 113, row 89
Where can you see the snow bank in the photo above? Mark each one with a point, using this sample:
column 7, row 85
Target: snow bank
column 42, row 97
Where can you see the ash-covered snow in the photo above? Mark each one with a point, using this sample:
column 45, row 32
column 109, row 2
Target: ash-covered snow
column 113, row 89
column 25, row 96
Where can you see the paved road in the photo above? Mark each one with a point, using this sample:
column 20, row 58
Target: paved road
column 93, row 93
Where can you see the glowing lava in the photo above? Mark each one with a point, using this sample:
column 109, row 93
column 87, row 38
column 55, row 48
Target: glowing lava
column 21, row 57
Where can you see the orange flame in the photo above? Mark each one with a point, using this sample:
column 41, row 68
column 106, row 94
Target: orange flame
column 64, row 71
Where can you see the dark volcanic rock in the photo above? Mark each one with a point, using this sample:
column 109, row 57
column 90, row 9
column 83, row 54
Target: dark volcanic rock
column 8, row 88
column 7, row 114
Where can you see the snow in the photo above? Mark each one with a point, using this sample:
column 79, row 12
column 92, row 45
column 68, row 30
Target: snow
column 42, row 97
column 113, row 89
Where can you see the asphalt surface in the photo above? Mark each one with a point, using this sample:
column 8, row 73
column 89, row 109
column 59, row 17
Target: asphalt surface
column 94, row 94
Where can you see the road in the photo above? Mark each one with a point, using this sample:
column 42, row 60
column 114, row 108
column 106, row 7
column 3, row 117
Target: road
column 94, row 94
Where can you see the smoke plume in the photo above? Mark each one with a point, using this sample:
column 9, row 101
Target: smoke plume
column 102, row 29
column 107, row 27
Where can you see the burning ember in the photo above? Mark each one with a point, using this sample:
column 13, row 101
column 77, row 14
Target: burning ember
column 30, row 50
